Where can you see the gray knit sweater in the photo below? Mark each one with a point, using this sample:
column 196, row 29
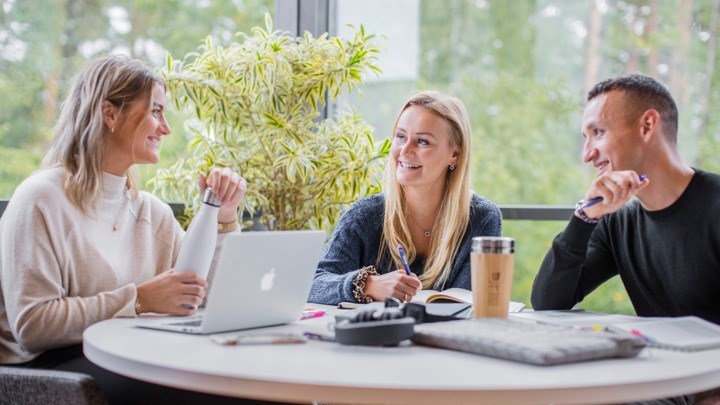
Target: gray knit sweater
column 356, row 243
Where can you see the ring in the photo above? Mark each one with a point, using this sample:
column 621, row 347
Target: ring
column 406, row 298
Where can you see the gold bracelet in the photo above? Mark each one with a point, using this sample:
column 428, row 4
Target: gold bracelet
column 224, row 227
column 138, row 307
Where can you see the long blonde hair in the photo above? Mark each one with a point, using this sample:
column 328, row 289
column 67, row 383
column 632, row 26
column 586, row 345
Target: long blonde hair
column 454, row 212
column 80, row 142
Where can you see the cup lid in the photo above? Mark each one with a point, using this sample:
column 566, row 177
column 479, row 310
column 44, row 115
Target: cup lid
column 493, row 244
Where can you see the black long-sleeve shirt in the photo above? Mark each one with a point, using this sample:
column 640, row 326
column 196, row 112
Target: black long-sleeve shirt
column 668, row 260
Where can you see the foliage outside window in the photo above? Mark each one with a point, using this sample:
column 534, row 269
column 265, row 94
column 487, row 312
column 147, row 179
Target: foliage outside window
column 522, row 68
column 45, row 43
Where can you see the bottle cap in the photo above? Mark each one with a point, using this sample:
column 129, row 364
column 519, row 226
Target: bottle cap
column 210, row 198
column 493, row 244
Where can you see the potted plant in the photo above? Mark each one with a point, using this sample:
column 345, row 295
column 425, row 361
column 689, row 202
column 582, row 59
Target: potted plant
column 256, row 107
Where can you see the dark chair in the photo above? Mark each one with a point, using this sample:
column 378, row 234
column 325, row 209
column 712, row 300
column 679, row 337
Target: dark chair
column 43, row 387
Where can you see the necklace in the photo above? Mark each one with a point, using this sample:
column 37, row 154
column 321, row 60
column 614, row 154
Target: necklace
column 427, row 231
column 125, row 199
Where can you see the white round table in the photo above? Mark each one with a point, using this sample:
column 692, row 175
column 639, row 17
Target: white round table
column 409, row 374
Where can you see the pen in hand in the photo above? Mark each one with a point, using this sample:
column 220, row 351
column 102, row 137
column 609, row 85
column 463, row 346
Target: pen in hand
column 401, row 250
column 596, row 200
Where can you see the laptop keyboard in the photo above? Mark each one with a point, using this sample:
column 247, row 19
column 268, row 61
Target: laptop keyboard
column 526, row 341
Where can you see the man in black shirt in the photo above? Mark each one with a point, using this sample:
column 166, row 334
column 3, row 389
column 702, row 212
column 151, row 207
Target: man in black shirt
column 666, row 244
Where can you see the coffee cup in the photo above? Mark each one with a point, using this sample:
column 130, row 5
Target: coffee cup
column 492, row 263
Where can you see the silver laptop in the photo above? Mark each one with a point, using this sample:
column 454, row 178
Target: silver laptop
column 261, row 279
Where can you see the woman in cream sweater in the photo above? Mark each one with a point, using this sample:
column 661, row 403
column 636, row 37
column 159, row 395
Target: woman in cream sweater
column 79, row 241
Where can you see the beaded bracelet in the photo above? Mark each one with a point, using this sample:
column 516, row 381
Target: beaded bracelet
column 582, row 215
column 359, row 284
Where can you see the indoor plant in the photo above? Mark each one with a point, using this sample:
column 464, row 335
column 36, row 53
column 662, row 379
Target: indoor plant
column 256, row 107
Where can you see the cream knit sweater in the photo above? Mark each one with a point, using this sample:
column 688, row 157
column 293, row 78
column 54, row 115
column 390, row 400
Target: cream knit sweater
column 62, row 271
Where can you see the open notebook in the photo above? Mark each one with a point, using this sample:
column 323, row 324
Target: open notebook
column 456, row 295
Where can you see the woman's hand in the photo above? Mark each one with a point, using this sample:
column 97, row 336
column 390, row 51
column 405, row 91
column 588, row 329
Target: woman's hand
column 229, row 187
column 172, row 293
column 396, row 284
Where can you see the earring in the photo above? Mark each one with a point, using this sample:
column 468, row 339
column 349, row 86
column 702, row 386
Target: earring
column 451, row 167
column 112, row 130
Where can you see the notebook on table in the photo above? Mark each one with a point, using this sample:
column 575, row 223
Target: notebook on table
column 686, row 333
column 454, row 295
column 261, row 279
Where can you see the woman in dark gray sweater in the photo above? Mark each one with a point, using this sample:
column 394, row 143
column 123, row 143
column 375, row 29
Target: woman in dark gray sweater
column 427, row 207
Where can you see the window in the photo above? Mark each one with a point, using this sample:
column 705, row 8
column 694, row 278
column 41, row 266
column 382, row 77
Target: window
column 523, row 69
column 40, row 52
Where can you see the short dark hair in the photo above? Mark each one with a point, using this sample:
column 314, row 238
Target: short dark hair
column 646, row 93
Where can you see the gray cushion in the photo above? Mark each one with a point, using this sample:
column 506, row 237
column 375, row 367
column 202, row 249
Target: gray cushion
column 44, row 387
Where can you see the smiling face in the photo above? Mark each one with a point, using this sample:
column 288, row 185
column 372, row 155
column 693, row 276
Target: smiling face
column 421, row 150
column 137, row 133
column 612, row 139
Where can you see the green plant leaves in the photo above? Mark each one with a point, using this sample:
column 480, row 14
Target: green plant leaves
column 257, row 107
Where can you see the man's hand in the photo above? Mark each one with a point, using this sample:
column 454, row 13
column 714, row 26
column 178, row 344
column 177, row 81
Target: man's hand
column 616, row 189
column 396, row 284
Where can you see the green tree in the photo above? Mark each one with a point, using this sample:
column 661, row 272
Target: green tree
column 521, row 69
column 40, row 53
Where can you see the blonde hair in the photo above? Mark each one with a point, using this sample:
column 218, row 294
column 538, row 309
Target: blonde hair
column 454, row 212
column 80, row 142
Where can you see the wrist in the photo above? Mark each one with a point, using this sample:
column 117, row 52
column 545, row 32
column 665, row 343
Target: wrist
column 224, row 227
column 227, row 217
column 139, row 309
column 582, row 215
column 227, row 214
column 360, row 284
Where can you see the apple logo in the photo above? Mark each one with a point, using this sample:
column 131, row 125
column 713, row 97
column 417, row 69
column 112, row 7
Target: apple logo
column 266, row 284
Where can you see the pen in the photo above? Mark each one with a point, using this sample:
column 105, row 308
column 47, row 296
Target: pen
column 259, row 339
column 596, row 200
column 312, row 313
column 401, row 250
column 317, row 336
column 349, row 305
column 642, row 336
